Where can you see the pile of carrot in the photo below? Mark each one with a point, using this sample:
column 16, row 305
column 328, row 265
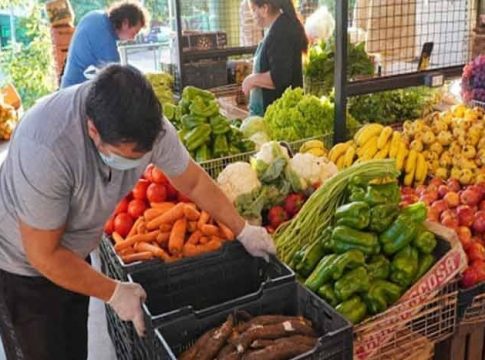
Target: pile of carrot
column 170, row 231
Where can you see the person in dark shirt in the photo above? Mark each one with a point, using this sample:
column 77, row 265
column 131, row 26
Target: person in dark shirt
column 278, row 58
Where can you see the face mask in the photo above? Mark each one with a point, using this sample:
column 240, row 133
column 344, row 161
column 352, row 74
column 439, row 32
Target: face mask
column 119, row 162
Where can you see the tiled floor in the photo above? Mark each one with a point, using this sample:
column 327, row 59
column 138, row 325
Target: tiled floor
column 99, row 343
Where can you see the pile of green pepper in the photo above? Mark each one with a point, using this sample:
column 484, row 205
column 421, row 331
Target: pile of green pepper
column 205, row 132
column 373, row 252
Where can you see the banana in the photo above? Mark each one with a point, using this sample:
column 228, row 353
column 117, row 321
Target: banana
column 395, row 143
column 383, row 153
column 409, row 178
column 421, row 168
column 368, row 131
column 340, row 162
column 349, row 156
column 312, row 144
column 370, row 149
column 384, row 137
column 411, row 161
column 337, row 151
column 401, row 156
column 363, row 149
column 318, row 152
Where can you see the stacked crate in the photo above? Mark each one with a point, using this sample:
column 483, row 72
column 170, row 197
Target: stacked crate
column 61, row 18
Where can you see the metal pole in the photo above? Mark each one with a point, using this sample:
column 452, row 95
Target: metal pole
column 340, row 127
column 179, row 44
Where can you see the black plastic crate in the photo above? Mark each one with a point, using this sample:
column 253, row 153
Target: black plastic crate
column 335, row 342
column 206, row 74
column 466, row 301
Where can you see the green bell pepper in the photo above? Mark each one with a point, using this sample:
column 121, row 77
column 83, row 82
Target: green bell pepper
column 197, row 137
column 191, row 92
column 404, row 266
column 353, row 309
column 352, row 282
column 345, row 238
column 382, row 216
column 416, row 212
column 378, row 194
column 425, row 263
column 355, row 215
column 183, row 107
column 192, row 121
column 203, row 108
column 220, row 125
column 425, row 241
column 312, row 255
column 322, row 273
column 298, row 256
column 349, row 260
column 327, row 293
column 246, row 145
column 221, row 147
column 202, row 153
column 169, row 111
column 398, row 235
column 379, row 267
column 356, row 192
column 381, row 295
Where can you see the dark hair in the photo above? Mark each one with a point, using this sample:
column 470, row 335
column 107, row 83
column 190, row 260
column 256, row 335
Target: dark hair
column 132, row 11
column 123, row 107
column 288, row 9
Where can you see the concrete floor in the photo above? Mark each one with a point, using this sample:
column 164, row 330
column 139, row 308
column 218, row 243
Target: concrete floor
column 100, row 346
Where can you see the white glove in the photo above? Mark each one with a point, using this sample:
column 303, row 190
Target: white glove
column 126, row 302
column 257, row 241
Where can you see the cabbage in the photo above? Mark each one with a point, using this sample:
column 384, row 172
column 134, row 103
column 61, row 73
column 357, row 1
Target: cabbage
column 252, row 125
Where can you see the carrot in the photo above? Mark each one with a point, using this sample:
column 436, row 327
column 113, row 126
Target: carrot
column 225, row 231
column 134, row 227
column 146, row 255
column 151, row 236
column 177, row 237
column 168, row 217
column 165, row 227
column 151, row 213
column 163, row 206
column 117, row 238
column 154, row 249
column 204, row 240
column 142, row 227
column 162, row 238
column 191, row 213
column 216, row 238
column 203, row 219
column 127, row 251
column 195, row 237
column 194, row 250
column 209, row 230
column 192, row 226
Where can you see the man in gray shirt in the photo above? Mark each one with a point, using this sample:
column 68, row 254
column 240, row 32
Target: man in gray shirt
column 72, row 158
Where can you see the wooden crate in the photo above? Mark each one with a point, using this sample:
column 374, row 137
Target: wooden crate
column 468, row 343
column 61, row 35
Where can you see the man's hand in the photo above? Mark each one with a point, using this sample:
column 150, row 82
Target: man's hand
column 126, row 302
column 257, row 241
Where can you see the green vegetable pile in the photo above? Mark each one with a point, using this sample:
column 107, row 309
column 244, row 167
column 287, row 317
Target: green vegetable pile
column 318, row 70
column 297, row 116
column 162, row 84
column 389, row 107
column 369, row 251
column 204, row 131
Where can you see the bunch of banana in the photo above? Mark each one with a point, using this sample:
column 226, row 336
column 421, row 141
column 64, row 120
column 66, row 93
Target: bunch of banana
column 314, row 147
column 342, row 154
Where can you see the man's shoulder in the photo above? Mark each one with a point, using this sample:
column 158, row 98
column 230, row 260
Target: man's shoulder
column 96, row 18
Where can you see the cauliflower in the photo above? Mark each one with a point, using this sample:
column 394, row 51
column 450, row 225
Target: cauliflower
column 305, row 170
column 270, row 161
column 237, row 179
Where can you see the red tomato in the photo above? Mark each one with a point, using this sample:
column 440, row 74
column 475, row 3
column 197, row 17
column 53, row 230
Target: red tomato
column 147, row 174
column 156, row 193
column 182, row 198
column 123, row 223
column 136, row 208
column 158, row 176
column 109, row 226
column 122, row 206
column 171, row 192
column 140, row 190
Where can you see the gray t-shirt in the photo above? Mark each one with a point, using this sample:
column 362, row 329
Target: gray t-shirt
column 53, row 176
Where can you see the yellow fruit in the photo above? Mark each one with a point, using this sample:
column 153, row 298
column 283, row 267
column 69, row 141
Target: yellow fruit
column 481, row 143
column 441, row 173
column 439, row 126
column 458, row 110
column 421, row 168
column 411, row 161
column 409, row 178
column 428, row 137
column 401, row 156
column 471, row 115
column 312, row 144
column 466, row 177
column 419, row 126
column 337, row 151
column 384, row 137
column 469, row 151
column 340, row 162
column 369, row 149
column 408, row 128
column 436, row 148
column 349, row 156
column 445, row 138
column 445, row 159
column 395, row 141
column 383, row 153
column 455, row 173
column 416, row 145
column 369, row 131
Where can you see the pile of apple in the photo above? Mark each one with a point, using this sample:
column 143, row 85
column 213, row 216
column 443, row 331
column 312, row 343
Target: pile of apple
column 461, row 209
column 153, row 187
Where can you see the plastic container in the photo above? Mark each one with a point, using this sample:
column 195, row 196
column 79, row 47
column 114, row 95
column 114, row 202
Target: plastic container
column 291, row 299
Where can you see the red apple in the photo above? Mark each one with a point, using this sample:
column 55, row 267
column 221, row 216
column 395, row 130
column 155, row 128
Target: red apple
column 420, row 190
column 465, row 236
column 466, row 215
column 442, row 191
column 481, row 206
column 433, row 194
column 449, row 219
column 479, row 222
column 408, row 190
column 470, row 197
column 475, row 251
column 427, row 199
column 433, row 215
column 436, row 182
column 469, row 278
column 453, row 185
column 409, row 198
column 478, row 189
column 452, row 199
column 440, row 206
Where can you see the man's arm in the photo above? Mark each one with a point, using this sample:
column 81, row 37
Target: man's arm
column 62, row 266
column 198, row 186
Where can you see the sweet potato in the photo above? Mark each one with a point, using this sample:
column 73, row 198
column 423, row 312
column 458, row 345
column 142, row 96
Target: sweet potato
column 191, row 352
column 168, row 217
column 226, row 351
column 283, row 349
column 177, row 237
column 216, row 341
column 267, row 320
